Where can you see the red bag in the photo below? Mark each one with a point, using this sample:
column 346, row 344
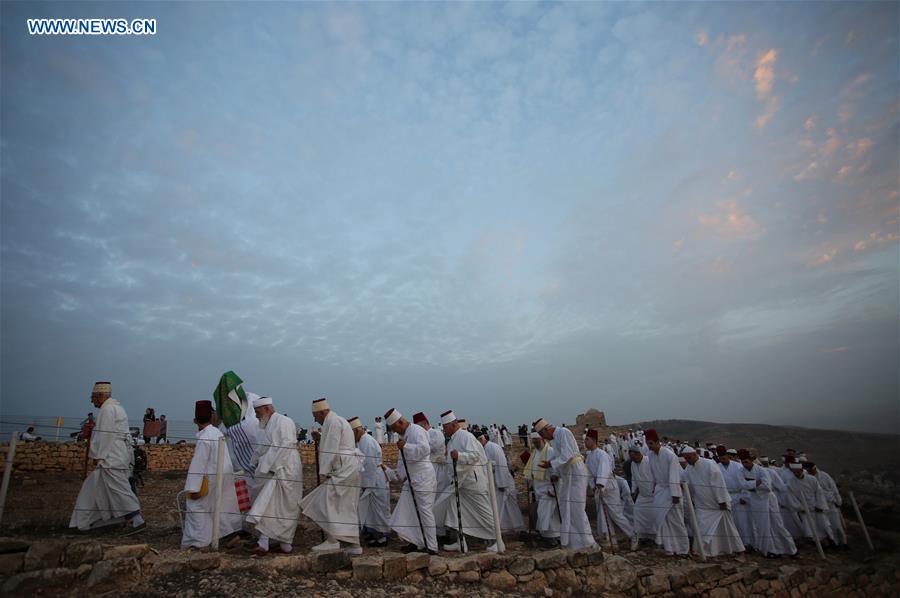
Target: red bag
column 243, row 495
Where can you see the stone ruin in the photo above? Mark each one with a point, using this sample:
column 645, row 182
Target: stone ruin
column 593, row 419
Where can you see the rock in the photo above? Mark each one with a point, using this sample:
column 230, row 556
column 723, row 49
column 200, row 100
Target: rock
column 415, row 578
column 584, row 557
column 119, row 573
column 289, row 563
column 469, row 576
column 719, row 593
column 343, row 576
column 327, row 562
column 394, row 567
column 498, row 561
column 566, row 579
column 657, row 583
column 135, row 551
column 44, row 555
column 417, row 560
column 38, row 580
column 677, row 580
column 169, row 566
column 8, row 545
column 367, row 568
column 11, row 563
column 82, row 552
column 522, row 565
column 620, row 574
column 204, row 561
column 727, row 581
column 595, row 579
column 551, row 559
column 486, row 560
column 83, row 571
column 469, row 563
column 535, row 586
column 500, row 580
column 437, row 566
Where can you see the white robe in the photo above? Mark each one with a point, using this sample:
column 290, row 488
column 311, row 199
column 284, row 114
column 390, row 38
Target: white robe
column 608, row 502
column 627, row 500
column 379, row 432
column 474, row 496
column 375, row 497
column 507, row 497
column 279, row 474
column 575, row 528
column 644, row 513
column 833, row 501
column 808, row 487
column 198, row 521
column 405, row 520
column 547, row 511
column 671, row 533
column 780, row 479
column 334, row 504
column 717, row 529
column 737, row 488
column 106, row 493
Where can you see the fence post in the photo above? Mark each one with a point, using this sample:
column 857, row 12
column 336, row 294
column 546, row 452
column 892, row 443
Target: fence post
column 10, row 456
column 220, row 458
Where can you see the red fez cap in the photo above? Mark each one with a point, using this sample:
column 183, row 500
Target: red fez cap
column 743, row 454
column 789, row 458
column 524, row 457
column 419, row 417
column 203, row 409
column 650, row 434
column 593, row 434
column 720, row 449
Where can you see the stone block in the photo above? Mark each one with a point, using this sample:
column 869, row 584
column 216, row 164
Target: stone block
column 468, row 563
column 657, row 583
column 677, row 580
column 394, row 567
column 128, row 551
column 414, row 578
column 437, row 566
column 468, row 576
column 730, row 579
column 521, row 565
column 620, row 574
column 328, row 562
column 12, row 562
column 343, row 576
column 78, row 553
column 169, row 566
column 44, row 555
column 30, row 581
column 290, row 564
column 595, row 579
column 551, row 559
column 367, row 568
column 115, row 574
column 566, row 579
column 760, row 586
column 416, row 561
column 204, row 561
column 502, row 581
column 8, row 545
column 719, row 593
column 498, row 561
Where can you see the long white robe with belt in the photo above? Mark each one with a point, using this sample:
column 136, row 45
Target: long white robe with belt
column 575, row 529
column 833, row 501
column 474, row 496
column 375, row 497
column 644, row 513
column 808, row 488
column 276, row 508
column 507, row 497
column 106, row 494
column 671, row 533
column 198, row 521
column 334, row 504
column 734, row 482
column 607, row 500
column 547, row 512
column 717, row 529
column 443, row 472
column 419, row 473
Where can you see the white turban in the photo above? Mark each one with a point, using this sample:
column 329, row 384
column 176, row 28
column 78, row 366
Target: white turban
column 448, row 417
column 392, row 417
column 262, row 402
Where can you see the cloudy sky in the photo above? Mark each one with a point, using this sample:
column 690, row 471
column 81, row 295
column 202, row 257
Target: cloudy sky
column 511, row 210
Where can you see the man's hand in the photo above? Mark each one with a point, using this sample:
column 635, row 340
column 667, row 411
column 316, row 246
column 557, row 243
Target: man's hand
column 544, row 464
column 194, row 496
column 316, row 435
column 401, row 443
column 723, row 506
column 676, row 500
column 454, row 455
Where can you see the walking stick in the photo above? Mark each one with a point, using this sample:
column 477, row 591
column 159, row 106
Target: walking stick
column 862, row 523
column 462, row 538
column 87, row 455
column 318, row 483
column 812, row 525
column 556, row 498
column 610, row 536
column 412, row 493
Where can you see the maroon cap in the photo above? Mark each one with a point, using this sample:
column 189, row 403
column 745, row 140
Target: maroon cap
column 419, row 417
column 203, row 409
column 651, row 434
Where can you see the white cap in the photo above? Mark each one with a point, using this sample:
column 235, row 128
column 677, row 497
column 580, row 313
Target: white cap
column 686, row 450
column 535, row 435
column 448, row 417
column 731, row 452
column 796, row 466
column 320, row 405
column 262, row 401
column 354, row 423
column 540, row 425
column 392, row 417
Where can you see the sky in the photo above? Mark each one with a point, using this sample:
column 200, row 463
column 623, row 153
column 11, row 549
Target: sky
column 511, row 210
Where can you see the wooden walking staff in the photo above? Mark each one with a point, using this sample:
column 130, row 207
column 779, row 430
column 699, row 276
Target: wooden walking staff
column 598, row 494
column 812, row 525
column 689, row 505
column 462, row 538
column 862, row 523
column 412, row 493
column 318, row 475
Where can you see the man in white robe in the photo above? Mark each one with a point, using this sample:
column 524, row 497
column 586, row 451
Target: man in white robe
column 575, row 528
column 833, row 503
column 642, row 490
column 379, row 430
column 438, row 457
column 507, row 497
column 607, row 500
column 770, row 538
column 627, row 500
column 276, row 464
column 475, row 516
column 375, row 494
column 806, row 503
column 198, row 520
column 671, row 533
column 413, row 514
column 712, row 505
column 334, row 504
column 106, row 496
column 547, row 520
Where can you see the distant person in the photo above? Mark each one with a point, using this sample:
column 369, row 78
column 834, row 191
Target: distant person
column 86, row 426
column 807, row 505
column 712, row 505
column 106, row 497
column 671, row 533
column 379, row 430
column 832, row 500
column 163, row 430
column 149, row 416
column 28, row 435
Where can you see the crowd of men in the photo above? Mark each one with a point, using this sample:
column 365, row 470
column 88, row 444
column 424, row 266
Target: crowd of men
column 679, row 497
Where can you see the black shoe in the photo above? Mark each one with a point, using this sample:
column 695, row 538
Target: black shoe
column 376, row 542
column 409, row 548
column 432, row 552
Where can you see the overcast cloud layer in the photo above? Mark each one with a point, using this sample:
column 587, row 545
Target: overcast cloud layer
column 511, row 210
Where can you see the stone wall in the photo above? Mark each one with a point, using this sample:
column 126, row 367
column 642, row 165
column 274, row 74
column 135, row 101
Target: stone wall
column 63, row 566
column 69, row 456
